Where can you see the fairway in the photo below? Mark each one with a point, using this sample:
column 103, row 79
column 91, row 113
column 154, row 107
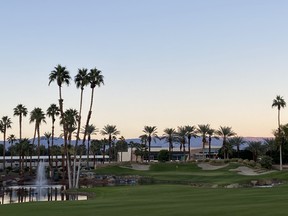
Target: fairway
column 164, row 200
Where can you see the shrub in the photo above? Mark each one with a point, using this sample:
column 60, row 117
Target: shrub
column 163, row 155
column 266, row 162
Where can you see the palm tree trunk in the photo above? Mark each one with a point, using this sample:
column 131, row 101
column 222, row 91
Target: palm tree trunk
column 38, row 144
column 189, row 149
column 52, row 143
column 280, row 146
column 77, row 139
column 209, row 147
column 89, row 116
column 4, row 150
column 20, row 125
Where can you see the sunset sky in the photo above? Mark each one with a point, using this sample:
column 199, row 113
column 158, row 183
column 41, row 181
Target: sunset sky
column 166, row 63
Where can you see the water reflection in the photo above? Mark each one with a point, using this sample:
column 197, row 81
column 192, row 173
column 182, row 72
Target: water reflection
column 20, row 194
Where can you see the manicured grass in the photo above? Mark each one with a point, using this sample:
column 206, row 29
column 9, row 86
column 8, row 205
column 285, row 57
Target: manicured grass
column 163, row 200
column 190, row 173
column 171, row 199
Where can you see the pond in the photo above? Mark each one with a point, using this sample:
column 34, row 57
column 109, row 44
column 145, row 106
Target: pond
column 32, row 193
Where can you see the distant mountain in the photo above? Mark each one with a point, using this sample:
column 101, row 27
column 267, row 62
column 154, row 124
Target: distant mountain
column 195, row 142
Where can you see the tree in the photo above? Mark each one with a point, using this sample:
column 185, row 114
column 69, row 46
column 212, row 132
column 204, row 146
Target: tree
column 5, row 123
column 170, row 136
column 190, row 132
column 20, row 110
column 211, row 133
column 47, row 136
column 256, row 148
column 236, row 141
column 62, row 76
column 11, row 139
column 52, row 112
column 181, row 139
column 95, row 149
column 91, row 130
column 111, row 131
column 37, row 116
column 225, row 133
column 150, row 131
column 95, row 79
column 121, row 146
column 279, row 102
column 203, row 130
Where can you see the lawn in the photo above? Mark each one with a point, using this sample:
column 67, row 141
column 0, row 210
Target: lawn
column 170, row 199
column 163, row 200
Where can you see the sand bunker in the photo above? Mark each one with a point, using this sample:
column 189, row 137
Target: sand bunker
column 207, row 166
column 243, row 170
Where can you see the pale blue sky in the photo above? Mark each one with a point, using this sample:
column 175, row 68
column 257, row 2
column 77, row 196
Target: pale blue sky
column 166, row 63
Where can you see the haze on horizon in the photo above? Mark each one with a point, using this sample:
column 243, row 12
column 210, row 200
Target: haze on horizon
column 165, row 63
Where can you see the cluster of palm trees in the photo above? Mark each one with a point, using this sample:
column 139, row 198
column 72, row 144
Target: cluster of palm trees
column 71, row 119
column 183, row 134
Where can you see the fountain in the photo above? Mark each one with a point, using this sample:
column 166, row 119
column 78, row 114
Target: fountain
column 41, row 181
column 41, row 190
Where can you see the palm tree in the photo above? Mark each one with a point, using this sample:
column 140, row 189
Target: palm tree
column 95, row 79
column 203, row 130
column 279, row 102
column 62, row 76
column 11, row 139
column 121, row 146
column 111, row 131
column 256, row 148
column 52, row 112
column 190, row 132
column 38, row 116
column 211, row 133
column 181, row 139
column 132, row 145
column 91, row 130
column 81, row 80
column 170, row 137
column 225, row 133
column 47, row 136
column 20, row 110
column 237, row 141
column 150, row 131
column 95, row 149
column 5, row 123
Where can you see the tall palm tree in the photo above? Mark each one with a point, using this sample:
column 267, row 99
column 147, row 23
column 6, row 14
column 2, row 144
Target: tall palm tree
column 5, row 123
column 279, row 102
column 150, row 131
column 190, row 132
column 38, row 116
column 47, row 136
column 170, row 137
column 11, row 139
column 52, row 112
column 237, row 141
column 81, row 80
column 91, row 130
column 95, row 79
column 20, row 110
column 61, row 75
column 181, row 139
column 203, row 130
column 111, row 131
column 225, row 133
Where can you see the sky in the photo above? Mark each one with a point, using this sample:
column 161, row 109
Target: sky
column 166, row 63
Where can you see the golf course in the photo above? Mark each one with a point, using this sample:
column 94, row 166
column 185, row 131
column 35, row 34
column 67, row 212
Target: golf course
column 175, row 189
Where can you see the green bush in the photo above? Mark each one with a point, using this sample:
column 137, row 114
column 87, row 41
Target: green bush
column 266, row 162
column 163, row 155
